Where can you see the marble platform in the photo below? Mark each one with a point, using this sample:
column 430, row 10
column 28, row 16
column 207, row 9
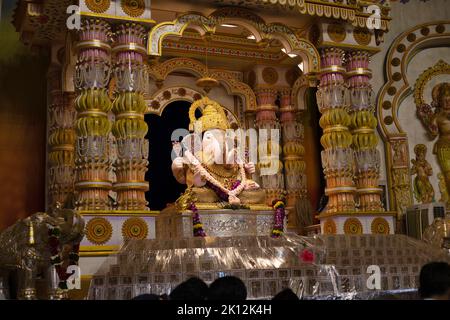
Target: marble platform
column 174, row 224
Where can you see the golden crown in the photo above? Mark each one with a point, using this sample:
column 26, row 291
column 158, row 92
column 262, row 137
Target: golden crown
column 213, row 115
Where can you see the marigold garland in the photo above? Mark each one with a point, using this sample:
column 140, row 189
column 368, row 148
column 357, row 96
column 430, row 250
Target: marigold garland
column 197, row 225
column 278, row 217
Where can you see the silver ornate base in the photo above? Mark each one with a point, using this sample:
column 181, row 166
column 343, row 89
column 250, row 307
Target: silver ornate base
column 174, row 224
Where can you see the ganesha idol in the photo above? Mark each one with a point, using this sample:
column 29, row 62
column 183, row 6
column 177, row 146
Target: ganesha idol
column 214, row 174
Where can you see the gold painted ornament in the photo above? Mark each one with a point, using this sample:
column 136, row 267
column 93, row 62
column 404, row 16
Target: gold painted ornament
column 134, row 228
column 98, row 231
column 336, row 32
column 353, row 226
column 362, row 36
column 133, row 8
column 98, row 6
column 270, row 75
column 329, row 227
column 380, row 226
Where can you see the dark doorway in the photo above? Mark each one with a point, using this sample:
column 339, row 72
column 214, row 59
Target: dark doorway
column 313, row 133
column 164, row 188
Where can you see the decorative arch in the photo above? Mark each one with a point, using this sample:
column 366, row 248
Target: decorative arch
column 163, row 97
column 239, row 16
column 298, row 92
column 233, row 85
column 393, row 92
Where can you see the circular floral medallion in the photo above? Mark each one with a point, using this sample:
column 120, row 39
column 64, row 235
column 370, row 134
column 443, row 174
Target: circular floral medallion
column 380, row 226
column 353, row 226
column 362, row 36
column 155, row 104
column 133, row 8
column 134, row 228
column 98, row 6
column 98, row 230
column 292, row 75
column 329, row 227
column 336, row 32
column 270, row 75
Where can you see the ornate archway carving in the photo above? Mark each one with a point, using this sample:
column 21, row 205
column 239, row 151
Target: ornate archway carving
column 228, row 79
column 394, row 91
column 298, row 89
column 239, row 16
column 163, row 97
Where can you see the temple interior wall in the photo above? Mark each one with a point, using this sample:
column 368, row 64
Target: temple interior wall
column 404, row 17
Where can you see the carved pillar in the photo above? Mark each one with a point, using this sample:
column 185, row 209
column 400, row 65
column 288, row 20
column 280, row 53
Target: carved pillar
column 337, row 158
column 363, row 124
column 62, row 147
column 269, row 155
column 129, row 108
column 293, row 151
column 92, row 125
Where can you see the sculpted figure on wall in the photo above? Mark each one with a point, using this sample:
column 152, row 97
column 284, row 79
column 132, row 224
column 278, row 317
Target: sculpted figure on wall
column 423, row 190
column 443, row 189
column 436, row 119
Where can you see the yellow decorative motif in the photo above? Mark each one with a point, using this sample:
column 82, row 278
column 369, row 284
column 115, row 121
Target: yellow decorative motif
column 98, row 6
column 353, row 226
column 336, row 32
column 380, row 226
column 134, row 228
column 329, row 227
column 270, row 75
column 441, row 67
column 362, row 36
column 133, row 8
column 98, row 231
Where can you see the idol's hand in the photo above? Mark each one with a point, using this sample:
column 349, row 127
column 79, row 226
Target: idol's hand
column 250, row 167
column 178, row 163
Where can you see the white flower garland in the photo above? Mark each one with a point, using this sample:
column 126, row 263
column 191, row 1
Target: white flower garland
column 232, row 194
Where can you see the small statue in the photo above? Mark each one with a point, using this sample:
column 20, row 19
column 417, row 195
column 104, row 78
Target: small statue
column 437, row 122
column 40, row 244
column 423, row 190
column 214, row 174
column 443, row 189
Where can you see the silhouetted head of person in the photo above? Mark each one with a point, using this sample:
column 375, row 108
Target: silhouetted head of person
column 227, row 288
column 191, row 289
column 435, row 281
column 147, row 297
column 286, row 294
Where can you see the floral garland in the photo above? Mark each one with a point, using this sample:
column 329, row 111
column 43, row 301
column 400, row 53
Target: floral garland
column 278, row 218
column 236, row 188
column 231, row 196
column 198, row 226
column 57, row 258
